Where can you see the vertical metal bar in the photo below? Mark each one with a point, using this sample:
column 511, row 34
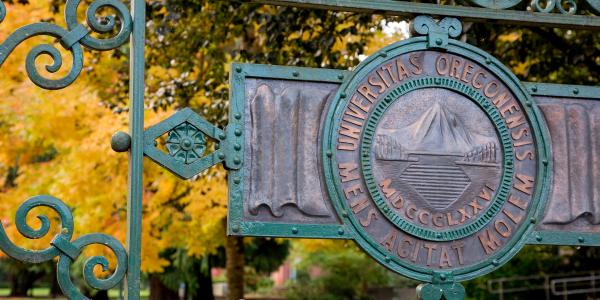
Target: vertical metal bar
column 136, row 154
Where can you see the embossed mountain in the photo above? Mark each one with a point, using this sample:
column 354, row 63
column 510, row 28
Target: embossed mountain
column 439, row 130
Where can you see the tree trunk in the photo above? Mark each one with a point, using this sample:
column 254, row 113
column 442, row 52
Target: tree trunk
column 205, row 288
column 100, row 295
column 234, row 252
column 22, row 279
column 55, row 291
column 158, row 291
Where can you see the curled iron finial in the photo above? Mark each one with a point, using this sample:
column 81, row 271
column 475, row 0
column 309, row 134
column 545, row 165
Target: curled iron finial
column 556, row 4
column 496, row 4
column 62, row 246
column 437, row 32
column 2, row 11
column 71, row 39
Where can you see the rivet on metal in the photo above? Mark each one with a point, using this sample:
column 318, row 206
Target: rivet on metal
column 222, row 136
column 495, row 262
column 341, row 231
column 439, row 41
column 344, row 214
column 581, row 239
column 575, row 91
column 534, row 88
column 237, row 160
column 238, row 69
column 340, row 76
column 294, row 230
column 488, row 60
column 342, row 95
column 155, row 143
column 237, row 116
column 296, row 73
column 383, row 54
column 329, row 153
column 237, row 132
column 443, row 277
column 221, row 155
column 545, row 162
column 236, row 180
column 533, row 220
column 387, row 259
column 235, row 228
column 120, row 141
column 538, row 238
column 237, row 147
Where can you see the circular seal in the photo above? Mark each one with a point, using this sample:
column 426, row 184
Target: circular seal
column 435, row 159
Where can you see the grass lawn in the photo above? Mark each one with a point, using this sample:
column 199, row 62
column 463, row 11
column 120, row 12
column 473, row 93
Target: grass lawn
column 43, row 293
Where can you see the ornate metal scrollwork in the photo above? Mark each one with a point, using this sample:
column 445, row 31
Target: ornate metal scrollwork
column 437, row 32
column 71, row 39
column 186, row 143
column 542, row 6
column 555, row 4
column 62, row 246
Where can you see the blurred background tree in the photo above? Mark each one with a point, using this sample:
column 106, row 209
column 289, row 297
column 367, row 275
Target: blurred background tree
column 58, row 142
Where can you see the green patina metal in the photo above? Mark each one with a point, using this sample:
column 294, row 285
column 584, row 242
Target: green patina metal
column 491, row 11
column 520, row 238
column 187, row 158
column 235, row 221
column 442, row 285
column 508, row 160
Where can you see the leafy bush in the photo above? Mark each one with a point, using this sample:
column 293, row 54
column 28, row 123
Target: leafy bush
column 335, row 275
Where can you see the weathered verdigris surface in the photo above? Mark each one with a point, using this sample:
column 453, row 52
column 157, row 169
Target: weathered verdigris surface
column 284, row 120
column 574, row 203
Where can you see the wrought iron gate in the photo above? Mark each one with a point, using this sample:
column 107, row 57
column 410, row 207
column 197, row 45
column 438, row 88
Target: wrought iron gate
column 231, row 140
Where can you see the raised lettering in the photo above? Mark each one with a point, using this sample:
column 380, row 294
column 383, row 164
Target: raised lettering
column 489, row 241
column 488, row 92
column 517, row 202
column 454, row 71
column 525, row 185
column 377, row 82
column 353, row 191
column 390, row 240
column 444, row 258
column 458, row 247
column 415, row 61
column 424, row 217
column 402, row 72
column 366, row 91
column 442, row 58
column 370, row 217
column 430, row 248
column 467, row 71
column 359, row 205
column 404, row 247
column 502, row 228
column 348, row 171
column 476, row 83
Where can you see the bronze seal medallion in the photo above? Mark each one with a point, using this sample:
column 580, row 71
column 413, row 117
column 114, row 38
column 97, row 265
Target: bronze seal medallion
column 434, row 159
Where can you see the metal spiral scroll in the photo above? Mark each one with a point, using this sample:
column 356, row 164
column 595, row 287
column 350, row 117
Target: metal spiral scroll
column 567, row 7
column 552, row 4
column 63, row 247
column 71, row 39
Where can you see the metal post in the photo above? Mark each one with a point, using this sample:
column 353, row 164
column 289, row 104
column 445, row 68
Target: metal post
column 136, row 154
column 547, row 286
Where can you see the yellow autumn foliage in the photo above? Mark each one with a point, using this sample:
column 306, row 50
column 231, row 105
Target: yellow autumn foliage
column 60, row 143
